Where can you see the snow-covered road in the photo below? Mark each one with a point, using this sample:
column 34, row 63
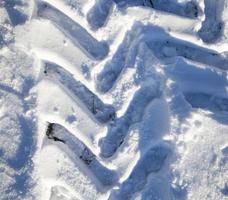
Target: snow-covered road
column 113, row 99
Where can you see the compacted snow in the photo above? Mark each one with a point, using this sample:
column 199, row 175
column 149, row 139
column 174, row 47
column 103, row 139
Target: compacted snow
column 113, row 99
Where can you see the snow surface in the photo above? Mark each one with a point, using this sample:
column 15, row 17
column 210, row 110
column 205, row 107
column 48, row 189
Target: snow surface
column 113, row 99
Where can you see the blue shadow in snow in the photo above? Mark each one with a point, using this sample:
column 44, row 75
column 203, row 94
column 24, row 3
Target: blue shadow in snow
column 23, row 153
column 16, row 17
column 8, row 89
column 22, row 160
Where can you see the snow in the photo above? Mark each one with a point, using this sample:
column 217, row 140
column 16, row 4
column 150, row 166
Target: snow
column 113, row 99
